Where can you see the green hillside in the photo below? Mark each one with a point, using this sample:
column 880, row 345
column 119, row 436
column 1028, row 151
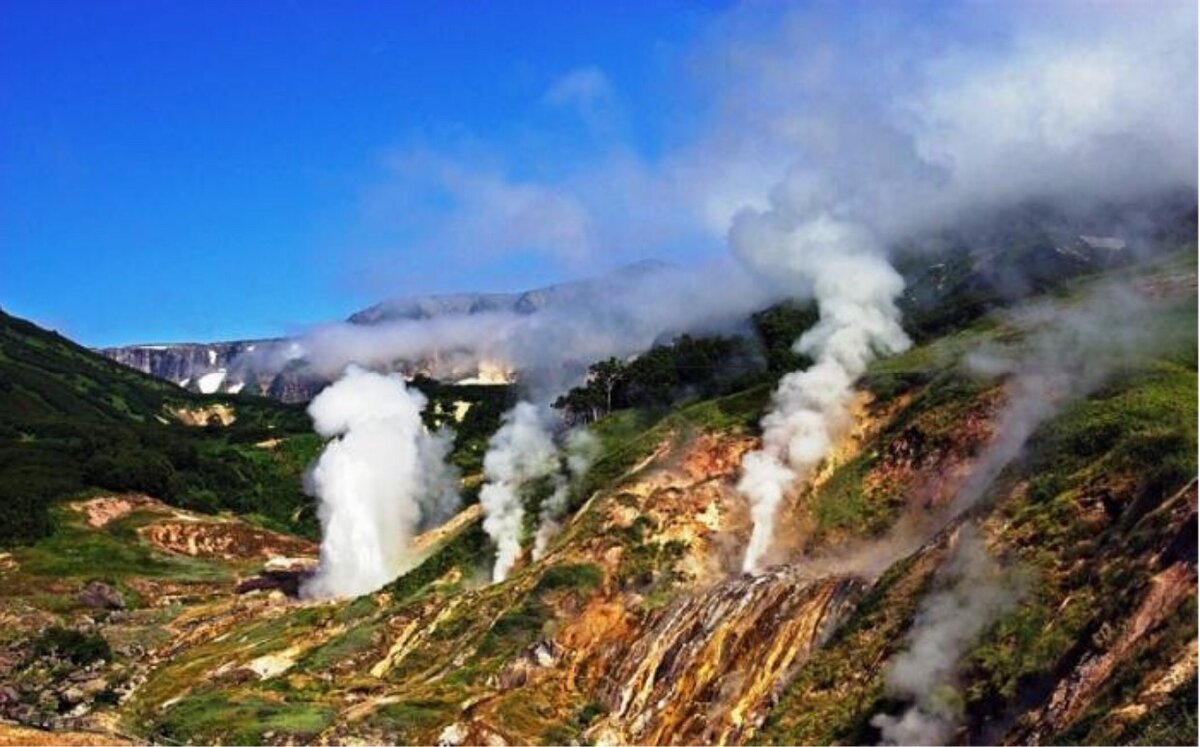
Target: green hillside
column 73, row 421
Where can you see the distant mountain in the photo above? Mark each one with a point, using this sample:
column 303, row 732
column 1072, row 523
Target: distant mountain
column 525, row 302
column 949, row 276
column 217, row 367
column 227, row 367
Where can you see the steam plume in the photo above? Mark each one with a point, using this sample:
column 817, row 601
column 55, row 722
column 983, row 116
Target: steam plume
column 380, row 477
column 804, row 238
column 521, row 451
column 1066, row 351
column 939, row 145
column 974, row 593
column 581, row 450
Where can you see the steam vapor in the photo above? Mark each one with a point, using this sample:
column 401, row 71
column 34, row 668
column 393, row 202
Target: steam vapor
column 1068, row 351
column 804, row 238
column 549, row 347
column 819, row 158
column 380, row 478
column 1057, row 116
column 975, row 592
column 520, row 452
column 581, row 450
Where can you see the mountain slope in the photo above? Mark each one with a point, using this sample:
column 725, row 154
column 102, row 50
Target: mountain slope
column 71, row 420
column 636, row 626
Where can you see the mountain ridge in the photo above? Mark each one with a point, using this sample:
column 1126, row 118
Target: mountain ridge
column 228, row 370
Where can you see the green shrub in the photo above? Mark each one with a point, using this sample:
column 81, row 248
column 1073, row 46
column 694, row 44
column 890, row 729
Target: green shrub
column 569, row 576
column 80, row 648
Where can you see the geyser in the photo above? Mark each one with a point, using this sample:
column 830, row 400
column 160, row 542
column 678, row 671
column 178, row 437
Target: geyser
column 803, row 240
column 380, row 477
column 581, row 449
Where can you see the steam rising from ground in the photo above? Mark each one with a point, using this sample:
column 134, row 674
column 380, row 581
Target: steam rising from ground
column 520, row 452
column 381, row 477
column 581, row 449
column 974, row 593
column 1061, row 115
column 803, row 239
column 821, row 155
column 1066, row 350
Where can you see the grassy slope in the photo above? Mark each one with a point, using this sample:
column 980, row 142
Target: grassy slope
column 482, row 630
column 71, row 420
column 1142, row 426
column 1128, row 448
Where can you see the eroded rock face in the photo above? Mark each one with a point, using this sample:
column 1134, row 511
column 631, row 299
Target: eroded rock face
column 728, row 648
column 1121, row 641
column 661, row 640
column 282, row 575
column 1075, row 692
column 98, row 512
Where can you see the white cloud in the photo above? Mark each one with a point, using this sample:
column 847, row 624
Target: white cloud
column 583, row 87
column 917, row 121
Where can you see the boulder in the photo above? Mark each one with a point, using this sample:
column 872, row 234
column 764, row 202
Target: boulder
column 101, row 596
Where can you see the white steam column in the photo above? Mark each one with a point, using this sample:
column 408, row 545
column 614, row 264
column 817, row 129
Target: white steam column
column 806, row 240
column 377, row 479
column 520, row 452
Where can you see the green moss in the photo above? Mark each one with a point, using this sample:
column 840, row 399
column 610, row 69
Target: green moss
column 221, row 718
column 570, row 577
column 1171, row 724
column 80, row 648
column 515, row 629
column 408, row 720
column 463, row 551
column 357, row 609
column 842, row 502
column 360, row 638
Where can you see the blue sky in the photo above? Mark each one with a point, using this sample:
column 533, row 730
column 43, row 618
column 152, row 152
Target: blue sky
column 195, row 171
column 220, row 170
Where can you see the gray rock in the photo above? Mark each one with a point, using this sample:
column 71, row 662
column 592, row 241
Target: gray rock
column 72, row 695
column 101, row 596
